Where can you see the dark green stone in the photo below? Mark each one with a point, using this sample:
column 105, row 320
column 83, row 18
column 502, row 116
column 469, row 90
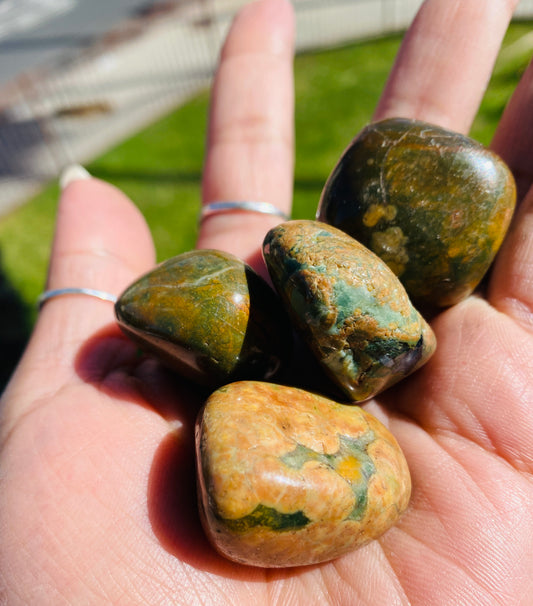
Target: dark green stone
column 433, row 204
column 348, row 305
column 209, row 316
column 269, row 518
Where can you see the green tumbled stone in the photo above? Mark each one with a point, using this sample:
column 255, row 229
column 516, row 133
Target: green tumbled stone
column 349, row 306
column 209, row 316
column 433, row 204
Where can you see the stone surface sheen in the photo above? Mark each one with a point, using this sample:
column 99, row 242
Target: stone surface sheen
column 433, row 204
column 348, row 305
column 289, row 478
column 209, row 316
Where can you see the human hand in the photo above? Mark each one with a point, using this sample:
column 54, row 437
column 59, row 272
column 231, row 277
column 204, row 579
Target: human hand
column 97, row 501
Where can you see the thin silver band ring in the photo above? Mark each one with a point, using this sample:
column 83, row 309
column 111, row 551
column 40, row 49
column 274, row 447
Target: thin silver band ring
column 230, row 206
column 89, row 292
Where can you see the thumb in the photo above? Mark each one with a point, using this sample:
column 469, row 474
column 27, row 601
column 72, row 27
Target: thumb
column 101, row 242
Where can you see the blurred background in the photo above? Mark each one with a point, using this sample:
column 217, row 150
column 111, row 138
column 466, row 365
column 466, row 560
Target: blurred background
column 121, row 86
column 76, row 77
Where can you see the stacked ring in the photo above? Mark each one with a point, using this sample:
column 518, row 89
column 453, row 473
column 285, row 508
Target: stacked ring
column 59, row 292
column 265, row 208
column 208, row 210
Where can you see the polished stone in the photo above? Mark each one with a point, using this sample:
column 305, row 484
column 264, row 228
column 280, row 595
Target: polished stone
column 348, row 305
column 289, row 478
column 209, row 316
column 433, row 204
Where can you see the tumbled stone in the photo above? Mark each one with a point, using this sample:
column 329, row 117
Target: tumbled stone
column 433, row 204
column 290, row 478
column 209, row 316
column 350, row 308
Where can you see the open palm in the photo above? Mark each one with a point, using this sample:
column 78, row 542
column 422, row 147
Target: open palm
column 97, row 493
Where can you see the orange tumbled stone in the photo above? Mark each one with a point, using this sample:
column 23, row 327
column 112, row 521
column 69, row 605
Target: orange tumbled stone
column 289, row 478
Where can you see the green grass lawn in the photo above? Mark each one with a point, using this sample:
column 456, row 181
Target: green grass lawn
column 160, row 168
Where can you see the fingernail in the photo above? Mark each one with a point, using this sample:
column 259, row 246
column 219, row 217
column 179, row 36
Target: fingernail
column 74, row 172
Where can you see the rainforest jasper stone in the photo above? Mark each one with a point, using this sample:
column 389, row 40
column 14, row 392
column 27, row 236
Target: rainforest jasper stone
column 209, row 316
column 433, row 204
column 350, row 308
column 289, row 478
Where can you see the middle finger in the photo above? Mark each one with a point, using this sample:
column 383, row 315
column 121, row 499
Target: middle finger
column 250, row 138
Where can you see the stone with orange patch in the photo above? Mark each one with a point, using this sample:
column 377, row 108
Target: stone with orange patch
column 290, row 478
column 348, row 305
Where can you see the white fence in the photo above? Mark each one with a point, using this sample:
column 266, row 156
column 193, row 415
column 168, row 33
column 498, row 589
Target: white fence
column 52, row 117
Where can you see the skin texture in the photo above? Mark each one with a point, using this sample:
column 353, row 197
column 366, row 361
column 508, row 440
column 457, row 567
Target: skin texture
column 97, row 488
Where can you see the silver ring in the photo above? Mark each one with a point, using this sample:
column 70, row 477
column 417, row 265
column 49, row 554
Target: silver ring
column 59, row 292
column 229, row 206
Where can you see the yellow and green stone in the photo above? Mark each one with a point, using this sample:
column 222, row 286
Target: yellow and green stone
column 209, row 316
